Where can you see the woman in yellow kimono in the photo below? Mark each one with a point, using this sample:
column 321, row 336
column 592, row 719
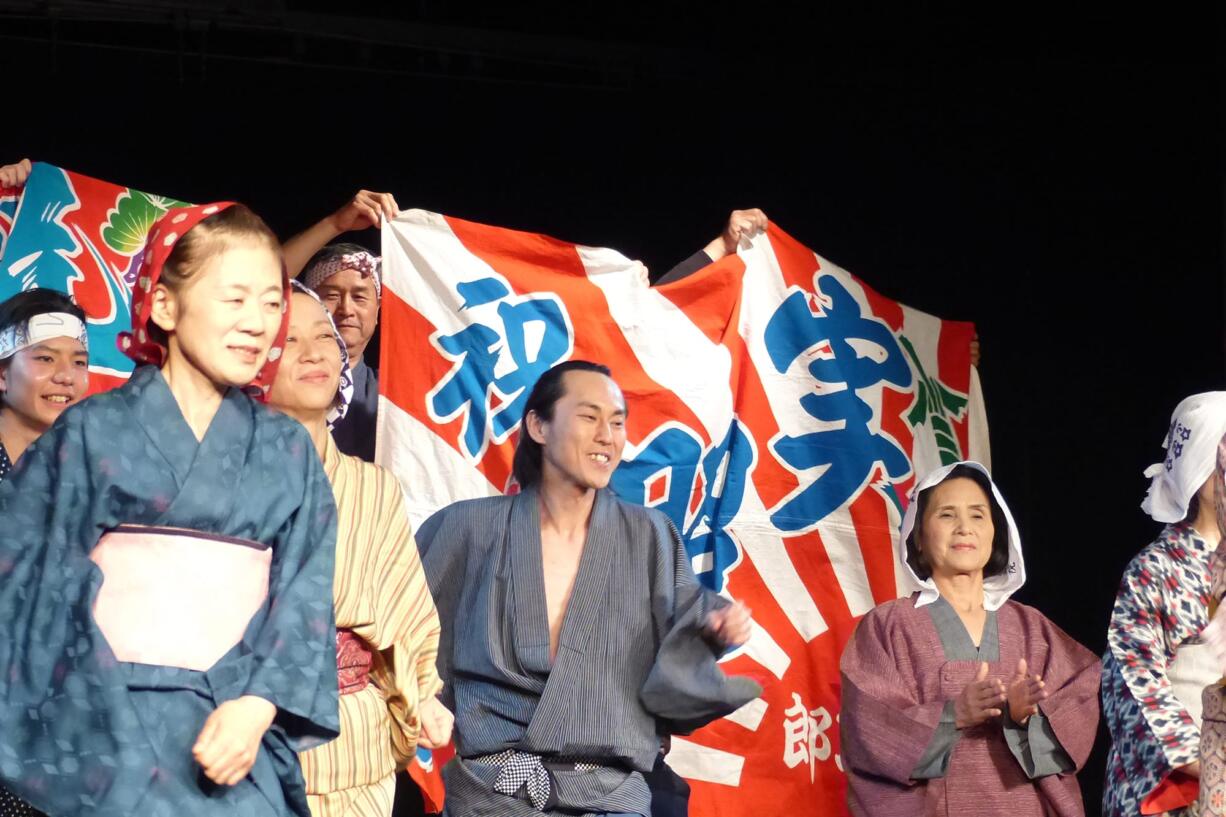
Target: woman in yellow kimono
column 387, row 627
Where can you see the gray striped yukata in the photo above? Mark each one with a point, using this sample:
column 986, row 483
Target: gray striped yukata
column 632, row 662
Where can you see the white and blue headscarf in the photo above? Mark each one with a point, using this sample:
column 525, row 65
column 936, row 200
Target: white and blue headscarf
column 1197, row 426
column 344, row 392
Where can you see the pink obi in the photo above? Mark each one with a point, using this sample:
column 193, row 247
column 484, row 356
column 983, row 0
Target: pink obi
column 177, row 598
column 353, row 662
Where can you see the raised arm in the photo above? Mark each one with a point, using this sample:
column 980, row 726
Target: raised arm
column 361, row 212
column 742, row 225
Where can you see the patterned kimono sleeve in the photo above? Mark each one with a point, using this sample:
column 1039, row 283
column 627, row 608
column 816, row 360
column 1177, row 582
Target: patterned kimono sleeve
column 1137, row 640
column 295, row 648
column 84, row 752
column 406, row 628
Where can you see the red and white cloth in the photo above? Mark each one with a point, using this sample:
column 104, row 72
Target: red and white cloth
column 780, row 410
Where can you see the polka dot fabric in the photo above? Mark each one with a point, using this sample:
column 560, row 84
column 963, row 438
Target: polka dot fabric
column 166, row 232
column 12, row 806
column 6, row 466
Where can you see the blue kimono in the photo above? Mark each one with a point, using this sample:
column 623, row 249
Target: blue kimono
column 83, row 733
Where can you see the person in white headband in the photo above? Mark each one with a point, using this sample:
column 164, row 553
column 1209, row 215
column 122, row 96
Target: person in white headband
column 1156, row 664
column 44, row 367
column 956, row 700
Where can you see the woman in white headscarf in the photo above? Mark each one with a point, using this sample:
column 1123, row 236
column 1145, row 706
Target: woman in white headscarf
column 955, row 699
column 1156, row 666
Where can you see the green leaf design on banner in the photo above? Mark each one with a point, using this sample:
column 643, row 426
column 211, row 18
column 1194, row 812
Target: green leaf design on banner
column 935, row 405
column 131, row 219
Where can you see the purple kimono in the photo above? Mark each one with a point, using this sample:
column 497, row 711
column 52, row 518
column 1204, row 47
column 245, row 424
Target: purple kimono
column 904, row 756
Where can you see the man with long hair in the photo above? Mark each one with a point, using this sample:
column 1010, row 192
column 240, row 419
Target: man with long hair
column 574, row 633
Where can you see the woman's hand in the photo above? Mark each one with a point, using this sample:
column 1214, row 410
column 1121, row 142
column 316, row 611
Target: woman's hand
column 230, row 740
column 436, row 721
column 1025, row 693
column 980, row 700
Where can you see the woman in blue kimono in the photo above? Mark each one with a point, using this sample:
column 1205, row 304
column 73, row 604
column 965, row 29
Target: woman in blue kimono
column 166, row 559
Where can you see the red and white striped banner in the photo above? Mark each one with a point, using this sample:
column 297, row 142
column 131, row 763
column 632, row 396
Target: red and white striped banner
column 780, row 410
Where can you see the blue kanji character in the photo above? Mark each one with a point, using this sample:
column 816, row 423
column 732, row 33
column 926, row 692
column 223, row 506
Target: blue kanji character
column 470, row 383
column 850, row 452
column 480, row 349
column 725, row 467
column 554, row 345
column 673, row 451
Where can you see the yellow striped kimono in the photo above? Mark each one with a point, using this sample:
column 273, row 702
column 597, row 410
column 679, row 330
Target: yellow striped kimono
column 381, row 595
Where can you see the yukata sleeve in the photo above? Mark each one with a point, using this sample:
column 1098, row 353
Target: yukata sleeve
column 1138, row 644
column 71, row 743
column 294, row 652
column 443, row 551
column 406, row 628
column 886, row 732
column 1059, row 737
column 685, row 686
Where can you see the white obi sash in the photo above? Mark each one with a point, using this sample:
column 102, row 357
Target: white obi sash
column 177, row 598
column 1194, row 668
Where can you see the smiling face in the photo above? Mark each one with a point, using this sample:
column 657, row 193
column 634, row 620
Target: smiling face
column 310, row 370
column 956, row 532
column 41, row 381
column 354, row 304
column 582, row 444
column 223, row 319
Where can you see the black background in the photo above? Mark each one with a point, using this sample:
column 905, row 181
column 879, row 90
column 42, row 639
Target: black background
column 1054, row 177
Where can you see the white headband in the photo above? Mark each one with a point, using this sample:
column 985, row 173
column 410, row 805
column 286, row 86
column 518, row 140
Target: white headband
column 996, row 589
column 39, row 328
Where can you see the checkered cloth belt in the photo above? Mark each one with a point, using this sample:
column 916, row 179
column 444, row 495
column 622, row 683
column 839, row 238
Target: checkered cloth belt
column 519, row 769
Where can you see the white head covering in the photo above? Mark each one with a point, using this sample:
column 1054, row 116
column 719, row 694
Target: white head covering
column 1197, row 425
column 996, row 589
column 41, row 327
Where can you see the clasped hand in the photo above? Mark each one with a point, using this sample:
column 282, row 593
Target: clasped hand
column 983, row 698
